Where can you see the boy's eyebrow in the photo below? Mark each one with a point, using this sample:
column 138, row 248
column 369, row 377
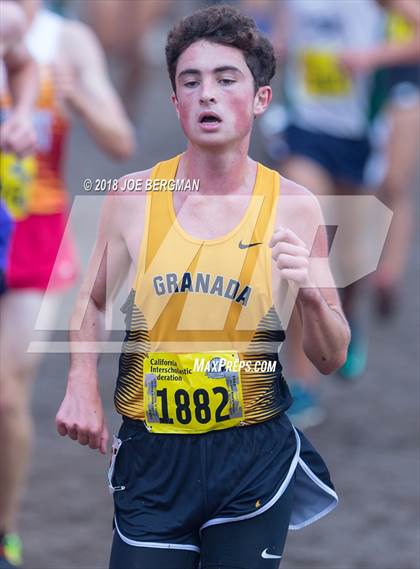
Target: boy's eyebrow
column 227, row 68
column 189, row 72
column 220, row 69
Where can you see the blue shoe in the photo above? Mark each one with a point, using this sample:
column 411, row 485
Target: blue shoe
column 305, row 411
column 357, row 353
column 4, row 564
column 10, row 551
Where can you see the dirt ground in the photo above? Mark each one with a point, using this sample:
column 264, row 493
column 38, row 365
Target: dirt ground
column 369, row 440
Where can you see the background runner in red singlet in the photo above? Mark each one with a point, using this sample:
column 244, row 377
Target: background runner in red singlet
column 74, row 82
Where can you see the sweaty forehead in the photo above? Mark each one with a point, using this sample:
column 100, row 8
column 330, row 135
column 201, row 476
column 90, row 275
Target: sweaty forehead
column 206, row 56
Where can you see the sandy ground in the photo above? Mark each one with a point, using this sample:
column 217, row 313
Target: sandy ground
column 369, row 440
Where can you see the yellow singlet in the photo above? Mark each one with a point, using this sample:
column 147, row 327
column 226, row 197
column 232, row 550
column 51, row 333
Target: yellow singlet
column 195, row 302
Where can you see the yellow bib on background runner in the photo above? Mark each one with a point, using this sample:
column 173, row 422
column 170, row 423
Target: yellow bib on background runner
column 16, row 178
column 192, row 393
column 399, row 30
column 323, row 75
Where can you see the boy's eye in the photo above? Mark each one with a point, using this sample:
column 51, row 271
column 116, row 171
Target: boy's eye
column 191, row 84
column 226, row 81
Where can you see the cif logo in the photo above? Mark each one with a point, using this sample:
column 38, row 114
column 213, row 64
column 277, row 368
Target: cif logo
column 216, row 368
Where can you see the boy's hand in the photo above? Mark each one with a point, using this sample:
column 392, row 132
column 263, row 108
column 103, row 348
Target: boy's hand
column 81, row 417
column 291, row 256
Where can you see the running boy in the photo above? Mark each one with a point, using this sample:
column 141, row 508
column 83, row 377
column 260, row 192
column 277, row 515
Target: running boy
column 207, row 467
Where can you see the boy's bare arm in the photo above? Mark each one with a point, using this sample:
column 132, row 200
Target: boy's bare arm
column 389, row 53
column 326, row 332
column 83, row 84
column 81, row 414
column 17, row 134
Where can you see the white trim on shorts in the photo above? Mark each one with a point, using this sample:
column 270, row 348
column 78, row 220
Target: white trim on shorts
column 294, row 464
column 154, row 545
column 271, row 502
column 326, row 489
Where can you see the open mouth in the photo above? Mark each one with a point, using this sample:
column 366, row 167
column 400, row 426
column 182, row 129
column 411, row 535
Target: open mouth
column 209, row 118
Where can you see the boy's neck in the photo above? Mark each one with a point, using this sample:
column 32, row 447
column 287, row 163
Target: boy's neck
column 219, row 171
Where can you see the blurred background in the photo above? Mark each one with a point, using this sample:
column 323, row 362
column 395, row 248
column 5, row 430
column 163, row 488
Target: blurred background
column 369, row 431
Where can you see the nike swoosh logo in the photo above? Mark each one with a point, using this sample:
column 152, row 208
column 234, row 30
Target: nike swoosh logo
column 247, row 245
column 266, row 555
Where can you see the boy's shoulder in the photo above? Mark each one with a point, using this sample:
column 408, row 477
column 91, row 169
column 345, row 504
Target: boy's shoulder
column 134, row 180
column 290, row 188
column 297, row 207
column 141, row 176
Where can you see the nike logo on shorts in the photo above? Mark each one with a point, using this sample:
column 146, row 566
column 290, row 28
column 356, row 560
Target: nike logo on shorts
column 266, row 555
column 247, row 245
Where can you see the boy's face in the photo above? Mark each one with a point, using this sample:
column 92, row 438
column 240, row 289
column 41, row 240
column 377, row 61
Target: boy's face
column 215, row 97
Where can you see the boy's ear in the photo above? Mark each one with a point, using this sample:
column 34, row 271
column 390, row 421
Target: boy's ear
column 175, row 103
column 262, row 99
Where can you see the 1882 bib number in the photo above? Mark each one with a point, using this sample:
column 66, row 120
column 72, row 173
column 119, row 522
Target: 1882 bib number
column 192, row 393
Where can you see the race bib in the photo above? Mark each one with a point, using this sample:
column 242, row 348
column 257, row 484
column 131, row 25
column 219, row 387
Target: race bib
column 323, row 76
column 16, row 177
column 192, row 393
column 399, row 30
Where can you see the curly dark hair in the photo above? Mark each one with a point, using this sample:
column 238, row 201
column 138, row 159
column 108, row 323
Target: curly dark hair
column 227, row 26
